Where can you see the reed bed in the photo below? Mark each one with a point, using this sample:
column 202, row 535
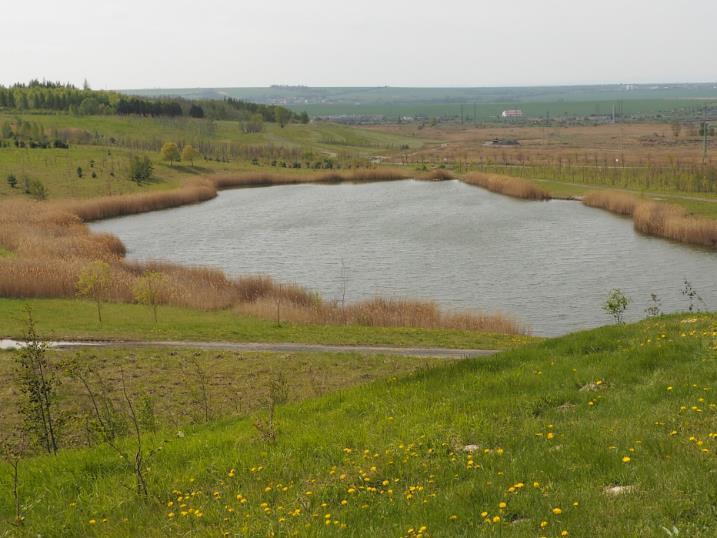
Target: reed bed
column 657, row 218
column 381, row 312
column 509, row 186
column 52, row 246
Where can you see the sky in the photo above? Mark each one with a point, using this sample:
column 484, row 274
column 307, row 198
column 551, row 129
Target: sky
column 224, row 43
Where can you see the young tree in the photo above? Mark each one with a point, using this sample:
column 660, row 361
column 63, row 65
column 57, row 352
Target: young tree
column 148, row 290
column 93, row 283
column 12, row 180
column 80, row 173
column 140, row 168
column 616, row 305
column 189, row 154
column 170, row 152
column 38, row 385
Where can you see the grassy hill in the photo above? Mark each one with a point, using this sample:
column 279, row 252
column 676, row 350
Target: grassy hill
column 610, row 432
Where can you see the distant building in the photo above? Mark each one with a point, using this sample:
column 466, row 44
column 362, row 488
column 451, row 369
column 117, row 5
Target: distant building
column 515, row 113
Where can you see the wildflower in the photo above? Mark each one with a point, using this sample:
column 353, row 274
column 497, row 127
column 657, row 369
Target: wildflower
column 626, row 459
column 453, row 517
column 170, row 515
column 543, row 524
column 564, row 533
column 496, row 519
column 557, row 511
column 92, row 522
column 502, row 505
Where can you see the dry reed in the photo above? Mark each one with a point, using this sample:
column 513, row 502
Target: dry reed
column 509, row 186
column 382, row 312
column 657, row 218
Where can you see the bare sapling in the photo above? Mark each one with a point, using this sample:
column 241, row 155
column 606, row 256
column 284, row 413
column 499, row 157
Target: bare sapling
column 37, row 384
column 696, row 303
column 278, row 394
column 13, row 448
column 201, row 384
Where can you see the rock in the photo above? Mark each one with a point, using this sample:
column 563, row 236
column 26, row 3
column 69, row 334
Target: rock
column 618, row 490
column 471, row 448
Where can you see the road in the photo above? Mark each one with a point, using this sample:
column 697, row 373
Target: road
column 443, row 353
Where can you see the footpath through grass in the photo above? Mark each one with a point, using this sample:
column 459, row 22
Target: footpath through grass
column 62, row 319
column 611, row 432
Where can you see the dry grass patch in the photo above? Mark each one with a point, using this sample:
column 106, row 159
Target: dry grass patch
column 509, row 186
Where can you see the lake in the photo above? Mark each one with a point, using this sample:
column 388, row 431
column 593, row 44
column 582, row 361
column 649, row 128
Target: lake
column 550, row 264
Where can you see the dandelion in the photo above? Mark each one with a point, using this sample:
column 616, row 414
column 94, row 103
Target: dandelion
column 453, row 517
column 564, row 533
column 92, row 522
column 502, row 505
column 543, row 524
column 557, row 511
column 626, row 459
column 496, row 519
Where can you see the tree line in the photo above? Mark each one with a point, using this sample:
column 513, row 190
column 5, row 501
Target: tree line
column 55, row 96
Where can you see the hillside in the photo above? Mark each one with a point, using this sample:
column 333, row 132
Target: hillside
column 609, row 432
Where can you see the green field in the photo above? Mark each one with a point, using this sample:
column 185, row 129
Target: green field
column 73, row 319
column 605, row 433
column 394, row 102
column 108, row 141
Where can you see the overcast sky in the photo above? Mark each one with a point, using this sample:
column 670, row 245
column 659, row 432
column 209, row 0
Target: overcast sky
column 211, row 43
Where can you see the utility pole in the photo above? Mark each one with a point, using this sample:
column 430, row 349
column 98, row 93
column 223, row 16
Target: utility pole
column 461, row 114
column 475, row 114
column 704, row 136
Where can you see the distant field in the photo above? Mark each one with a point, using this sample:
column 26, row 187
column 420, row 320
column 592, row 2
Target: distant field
column 680, row 99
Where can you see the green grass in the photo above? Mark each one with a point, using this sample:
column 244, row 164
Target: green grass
column 237, row 382
column 553, row 422
column 73, row 319
column 5, row 252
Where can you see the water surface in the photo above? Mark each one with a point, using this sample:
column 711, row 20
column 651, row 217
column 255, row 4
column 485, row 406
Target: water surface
column 551, row 264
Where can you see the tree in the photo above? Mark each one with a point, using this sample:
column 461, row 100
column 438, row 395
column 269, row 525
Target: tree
column 148, row 290
column 281, row 116
column 93, row 283
column 255, row 124
column 38, row 385
column 676, row 127
column 140, row 168
column 616, row 305
column 195, row 111
column 36, row 189
column 170, row 152
column 12, row 181
column 79, row 172
column 189, row 154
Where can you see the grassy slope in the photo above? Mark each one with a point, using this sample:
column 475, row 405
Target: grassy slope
column 393, row 452
column 57, row 168
column 73, row 319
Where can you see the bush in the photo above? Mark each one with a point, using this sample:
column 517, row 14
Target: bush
column 616, row 305
column 140, row 168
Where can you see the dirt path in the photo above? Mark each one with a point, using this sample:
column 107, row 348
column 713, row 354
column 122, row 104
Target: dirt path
column 443, row 353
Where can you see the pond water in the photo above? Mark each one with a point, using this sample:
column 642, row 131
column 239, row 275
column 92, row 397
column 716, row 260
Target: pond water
column 550, row 264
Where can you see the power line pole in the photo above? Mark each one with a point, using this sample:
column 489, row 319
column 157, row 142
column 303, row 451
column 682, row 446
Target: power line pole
column 704, row 136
